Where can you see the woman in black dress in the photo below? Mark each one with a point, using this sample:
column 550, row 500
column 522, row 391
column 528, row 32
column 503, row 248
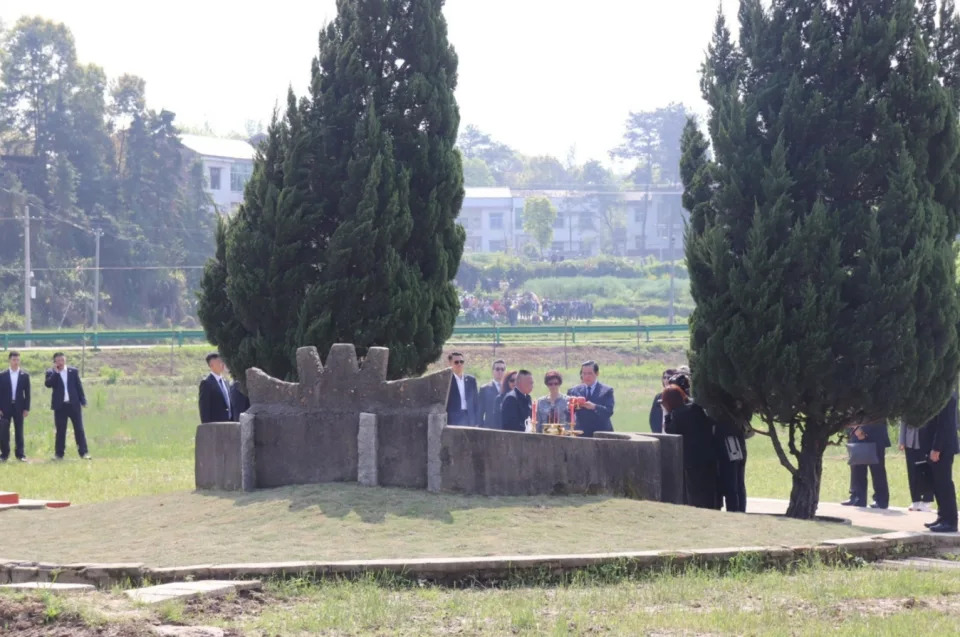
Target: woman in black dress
column 699, row 455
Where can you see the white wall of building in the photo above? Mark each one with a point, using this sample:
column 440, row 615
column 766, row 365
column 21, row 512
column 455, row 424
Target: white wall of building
column 493, row 219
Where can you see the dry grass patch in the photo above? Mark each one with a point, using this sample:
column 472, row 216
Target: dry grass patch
column 347, row 521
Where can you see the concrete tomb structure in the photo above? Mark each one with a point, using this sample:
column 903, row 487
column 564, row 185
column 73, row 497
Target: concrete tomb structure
column 344, row 422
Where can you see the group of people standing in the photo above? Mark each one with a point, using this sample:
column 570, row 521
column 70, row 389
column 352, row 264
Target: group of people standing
column 714, row 451
column 67, row 401
column 506, row 402
column 929, row 452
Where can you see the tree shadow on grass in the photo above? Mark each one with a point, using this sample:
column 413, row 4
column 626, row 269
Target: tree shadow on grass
column 374, row 504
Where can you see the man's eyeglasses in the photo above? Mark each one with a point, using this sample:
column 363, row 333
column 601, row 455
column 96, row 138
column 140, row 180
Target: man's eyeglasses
column 458, row 362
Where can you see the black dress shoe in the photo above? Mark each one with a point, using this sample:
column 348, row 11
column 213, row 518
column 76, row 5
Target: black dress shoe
column 851, row 503
column 874, row 505
column 943, row 528
column 931, row 524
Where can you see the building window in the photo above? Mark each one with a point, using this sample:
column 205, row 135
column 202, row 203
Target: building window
column 639, row 240
column 518, row 219
column 239, row 176
column 558, row 224
column 638, row 215
column 496, row 221
column 214, row 178
column 498, row 245
column 465, row 222
column 586, row 221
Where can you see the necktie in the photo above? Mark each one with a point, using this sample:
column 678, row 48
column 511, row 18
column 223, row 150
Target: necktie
column 226, row 396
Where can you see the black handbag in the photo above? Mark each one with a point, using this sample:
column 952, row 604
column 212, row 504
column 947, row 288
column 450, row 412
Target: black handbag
column 860, row 453
column 923, row 474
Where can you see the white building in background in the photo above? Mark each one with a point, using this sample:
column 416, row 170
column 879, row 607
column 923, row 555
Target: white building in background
column 227, row 167
column 493, row 219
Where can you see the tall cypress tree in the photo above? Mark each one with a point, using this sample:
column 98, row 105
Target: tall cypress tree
column 360, row 241
column 820, row 243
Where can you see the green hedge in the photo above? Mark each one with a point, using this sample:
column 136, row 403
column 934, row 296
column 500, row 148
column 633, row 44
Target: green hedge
column 516, row 270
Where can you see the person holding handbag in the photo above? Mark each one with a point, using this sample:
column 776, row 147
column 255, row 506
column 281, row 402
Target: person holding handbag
column 919, row 476
column 879, row 436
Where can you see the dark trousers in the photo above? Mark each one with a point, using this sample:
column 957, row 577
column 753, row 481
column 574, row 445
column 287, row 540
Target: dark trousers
column 60, row 416
column 944, row 490
column 459, row 418
column 878, row 474
column 733, row 486
column 17, row 418
column 921, row 486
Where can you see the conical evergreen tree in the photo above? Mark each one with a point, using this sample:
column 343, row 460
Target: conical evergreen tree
column 820, row 243
column 355, row 238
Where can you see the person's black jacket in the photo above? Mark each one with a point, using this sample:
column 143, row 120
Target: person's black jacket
column 489, row 412
column 74, row 388
column 700, row 468
column 942, row 434
column 20, row 403
column 515, row 410
column 239, row 402
column 213, row 406
column 691, row 422
column 454, row 416
column 656, row 415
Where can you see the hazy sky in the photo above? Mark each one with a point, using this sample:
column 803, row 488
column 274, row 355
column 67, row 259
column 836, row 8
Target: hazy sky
column 540, row 75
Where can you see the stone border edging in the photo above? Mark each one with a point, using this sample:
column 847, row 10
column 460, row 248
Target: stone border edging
column 478, row 569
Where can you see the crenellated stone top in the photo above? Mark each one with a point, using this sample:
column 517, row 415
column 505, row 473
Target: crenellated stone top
column 343, row 385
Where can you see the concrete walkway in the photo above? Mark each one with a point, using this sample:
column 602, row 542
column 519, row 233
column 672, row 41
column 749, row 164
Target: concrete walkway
column 892, row 519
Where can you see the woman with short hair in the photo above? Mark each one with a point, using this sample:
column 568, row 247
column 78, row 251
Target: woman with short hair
column 688, row 419
column 552, row 408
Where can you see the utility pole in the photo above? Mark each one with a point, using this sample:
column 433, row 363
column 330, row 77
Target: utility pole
column 27, row 288
column 96, row 281
column 673, row 258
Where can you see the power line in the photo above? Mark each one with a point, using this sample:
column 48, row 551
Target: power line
column 116, row 267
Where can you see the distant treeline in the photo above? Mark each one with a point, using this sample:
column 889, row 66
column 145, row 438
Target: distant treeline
column 83, row 153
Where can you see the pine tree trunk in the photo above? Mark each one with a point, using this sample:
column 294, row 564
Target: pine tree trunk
column 805, row 494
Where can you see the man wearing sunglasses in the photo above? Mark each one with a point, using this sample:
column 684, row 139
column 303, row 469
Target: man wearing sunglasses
column 463, row 403
column 489, row 414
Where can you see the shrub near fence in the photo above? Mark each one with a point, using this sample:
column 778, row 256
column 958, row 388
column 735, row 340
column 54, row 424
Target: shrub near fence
column 475, row 268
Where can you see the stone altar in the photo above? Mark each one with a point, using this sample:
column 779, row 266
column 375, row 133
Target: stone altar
column 344, row 422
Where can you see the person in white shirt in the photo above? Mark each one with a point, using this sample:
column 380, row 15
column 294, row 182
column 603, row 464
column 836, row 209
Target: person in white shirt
column 463, row 401
column 67, row 402
column 14, row 407
column 214, row 398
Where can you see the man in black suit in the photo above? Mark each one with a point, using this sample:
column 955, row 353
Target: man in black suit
column 215, row 393
column 595, row 414
column 879, row 434
column 463, row 402
column 14, row 406
column 67, row 401
column 516, row 405
column 489, row 414
column 943, row 446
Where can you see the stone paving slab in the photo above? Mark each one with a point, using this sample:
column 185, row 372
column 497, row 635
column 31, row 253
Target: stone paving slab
column 891, row 519
column 53, row 587
column 919, row 563
column 189, row 590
